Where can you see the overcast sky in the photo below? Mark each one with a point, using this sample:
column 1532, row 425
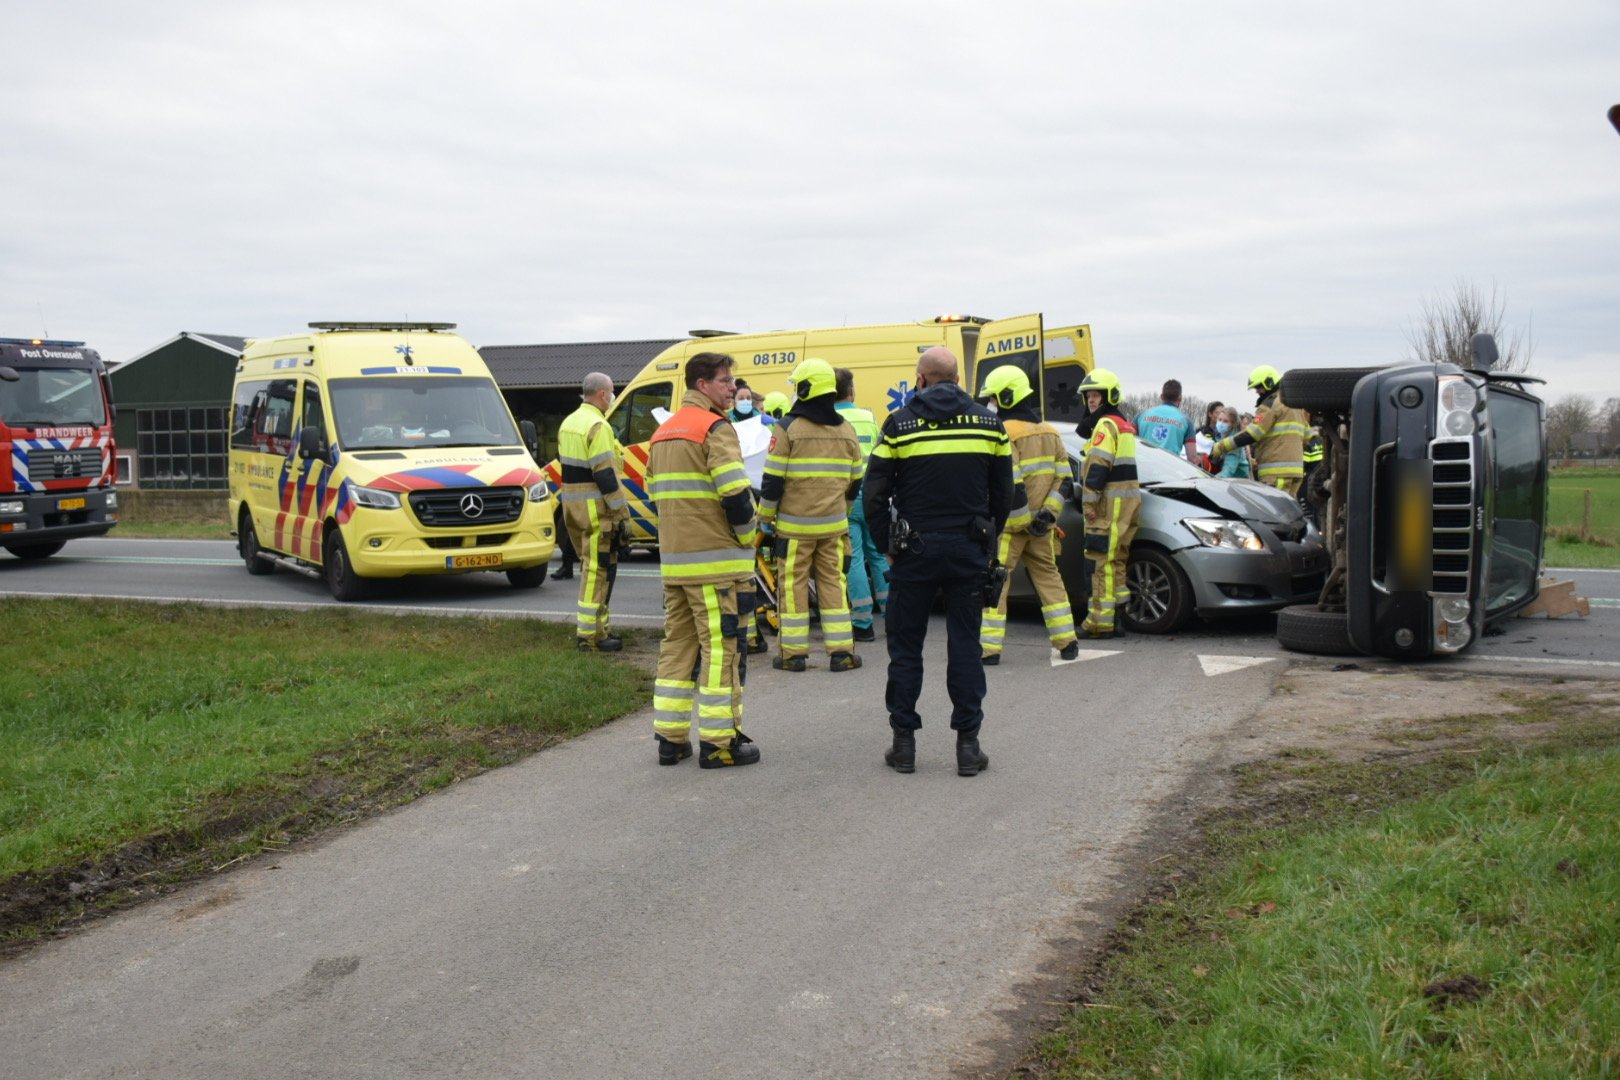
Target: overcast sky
column 1209, row 186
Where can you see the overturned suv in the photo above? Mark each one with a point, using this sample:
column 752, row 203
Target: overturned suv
column 1204, row 546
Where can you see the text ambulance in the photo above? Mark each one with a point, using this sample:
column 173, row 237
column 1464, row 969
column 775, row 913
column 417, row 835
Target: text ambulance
column 376, row 450
column 56, row 446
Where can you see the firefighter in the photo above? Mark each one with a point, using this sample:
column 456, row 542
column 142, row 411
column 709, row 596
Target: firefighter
column 943, row 466
column 1110, row 497
column 868, row 573
column 594, row 507
column 812, row 471
column 776, row 407
column 1277, row 434
column 696, row 478
column 1040, row 465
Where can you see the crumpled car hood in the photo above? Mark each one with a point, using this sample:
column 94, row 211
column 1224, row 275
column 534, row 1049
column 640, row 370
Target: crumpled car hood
column 1241, row 499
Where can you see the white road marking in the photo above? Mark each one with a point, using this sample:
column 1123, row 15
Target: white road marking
column 1221, row 665
column 1505, row 657
column 1085, row 654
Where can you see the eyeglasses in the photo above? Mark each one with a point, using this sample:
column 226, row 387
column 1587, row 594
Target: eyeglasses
column 726, row 380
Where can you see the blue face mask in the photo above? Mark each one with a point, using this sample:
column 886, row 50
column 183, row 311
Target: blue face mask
column 745, row 407
column 1222, row 427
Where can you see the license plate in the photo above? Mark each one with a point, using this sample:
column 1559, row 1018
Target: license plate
column 70, row 504
column 471, row 562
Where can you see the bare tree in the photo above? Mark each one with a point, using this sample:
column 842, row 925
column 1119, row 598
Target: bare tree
column 1134, row 405
column 1568, row 417
column 1609, row 425
column 1446, row 334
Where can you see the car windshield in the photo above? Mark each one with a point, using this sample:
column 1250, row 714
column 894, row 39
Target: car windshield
column 1153, row 466
column 54, row 396
column 400, row 412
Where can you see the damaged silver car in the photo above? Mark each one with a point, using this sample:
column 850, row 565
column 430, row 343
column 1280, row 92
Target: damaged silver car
column 1204, row 546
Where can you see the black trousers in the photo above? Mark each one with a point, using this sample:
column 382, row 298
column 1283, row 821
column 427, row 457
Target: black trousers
column 950, row 565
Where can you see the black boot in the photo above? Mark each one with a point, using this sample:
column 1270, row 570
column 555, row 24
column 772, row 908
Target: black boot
column 902, row 756
column 970, row 760
column 672, row 753
column 562, row 573
column 739, row 751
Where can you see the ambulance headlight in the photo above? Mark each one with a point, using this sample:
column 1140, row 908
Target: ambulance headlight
column 540, row 492
column 1221, row 533
column 375, row 498
column 11, row 506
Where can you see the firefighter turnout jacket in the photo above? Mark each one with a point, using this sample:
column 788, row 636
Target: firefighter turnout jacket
column 1040, row 464
column 591, row 460
column 705, row 505
column 1277, row 434
column 812, row 472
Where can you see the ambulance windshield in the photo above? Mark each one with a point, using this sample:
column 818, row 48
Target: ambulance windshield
column 400, row 412
column 53, row 396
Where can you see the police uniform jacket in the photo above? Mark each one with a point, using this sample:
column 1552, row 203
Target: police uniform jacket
column 812, row 472
column 696, row 479
column 942, row 460
column 1277, row 434
column 590, row 460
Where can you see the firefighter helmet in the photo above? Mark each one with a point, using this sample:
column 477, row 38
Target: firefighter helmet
column 776, row 404
column 1106, row 381
column 813, row 378
column 1008, row 385
column 1264, row 378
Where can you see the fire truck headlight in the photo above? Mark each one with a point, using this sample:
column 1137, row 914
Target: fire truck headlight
column 11, row 506
column 112, row 500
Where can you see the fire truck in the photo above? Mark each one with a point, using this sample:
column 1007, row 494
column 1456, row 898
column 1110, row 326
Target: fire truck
column 57, row 466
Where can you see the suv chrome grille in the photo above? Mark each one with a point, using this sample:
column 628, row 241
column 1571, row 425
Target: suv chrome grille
column 1453, row 515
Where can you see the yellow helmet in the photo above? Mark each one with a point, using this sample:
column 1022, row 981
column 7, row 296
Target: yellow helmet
column 812, row 378
column 1264, row 378
column 1008, row 385
column 1106, row 381
column 776, row 404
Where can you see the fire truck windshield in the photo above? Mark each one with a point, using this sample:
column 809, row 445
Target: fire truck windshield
column 54, row 396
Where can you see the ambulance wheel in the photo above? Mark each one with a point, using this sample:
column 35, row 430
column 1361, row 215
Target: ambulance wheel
column 341, row 579
column 37, row 551
column 1304, row 628
column 247, row 544
column 529, row 577
column 1161, row 596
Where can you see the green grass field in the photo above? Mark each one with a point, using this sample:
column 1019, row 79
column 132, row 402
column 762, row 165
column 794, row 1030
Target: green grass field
column 1474, row 933
column 126, row 722
column 1566, row 499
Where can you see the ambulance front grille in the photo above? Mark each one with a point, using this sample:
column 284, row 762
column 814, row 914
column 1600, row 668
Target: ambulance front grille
column 459, row 507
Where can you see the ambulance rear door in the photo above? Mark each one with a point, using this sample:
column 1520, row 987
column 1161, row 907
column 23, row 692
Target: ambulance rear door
column 1008, row 341
column 1068, row 361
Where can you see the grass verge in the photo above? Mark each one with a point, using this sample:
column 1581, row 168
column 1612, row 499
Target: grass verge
column 141, row 745
column 1452, row 911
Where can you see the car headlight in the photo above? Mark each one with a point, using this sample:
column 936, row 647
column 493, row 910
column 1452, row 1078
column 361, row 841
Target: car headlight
column 375, row 498
column 540, row 492
column 11, row 506
column 1458, row 399
column 1221, row 533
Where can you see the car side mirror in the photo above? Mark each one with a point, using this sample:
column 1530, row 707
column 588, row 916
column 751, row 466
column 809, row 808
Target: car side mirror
column 531, row 437
column 311, row 444
column 1485, row 354
column 9, row 374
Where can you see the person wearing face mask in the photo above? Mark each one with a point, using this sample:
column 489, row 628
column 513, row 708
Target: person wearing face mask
column 594, row 507
column 1234, row 466
column 743, row 407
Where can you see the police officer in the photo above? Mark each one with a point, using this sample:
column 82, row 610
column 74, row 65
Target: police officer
column 594, row 507
column 1040, row 465
column 868, row 572
column 812, row 470
column 1277, row 434
column 1110, row 497
column 944, row 467
column 696, row 477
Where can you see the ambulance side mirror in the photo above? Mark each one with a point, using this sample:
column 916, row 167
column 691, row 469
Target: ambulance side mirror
column 9, row 374
column 531, row 437
column 311, row 444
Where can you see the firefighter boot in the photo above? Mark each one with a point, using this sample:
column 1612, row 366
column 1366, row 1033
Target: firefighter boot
column 611, row 643
column 843, row 661
column 902, row 756
column 672, row 753
column 739, row 751
column 1071, row 651
column 788, row 663
column 970, row 760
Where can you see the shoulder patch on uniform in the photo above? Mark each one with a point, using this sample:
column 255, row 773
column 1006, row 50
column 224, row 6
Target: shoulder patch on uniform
column 772, row 448
column 1096, row 440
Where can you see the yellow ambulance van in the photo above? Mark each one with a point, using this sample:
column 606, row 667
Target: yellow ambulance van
column 377, row 450
column 883, row 359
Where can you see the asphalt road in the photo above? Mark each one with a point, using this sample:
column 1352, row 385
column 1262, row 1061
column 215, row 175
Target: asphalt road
column 585, row 913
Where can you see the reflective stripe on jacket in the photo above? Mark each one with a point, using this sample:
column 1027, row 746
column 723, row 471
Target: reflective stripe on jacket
column 590, row 459
column 696, row 478
column 811, row 473
column 1110, row 463
column 1041, row 464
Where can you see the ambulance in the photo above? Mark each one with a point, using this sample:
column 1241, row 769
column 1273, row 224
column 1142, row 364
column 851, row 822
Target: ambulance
column 373, row 450
column 883, row 359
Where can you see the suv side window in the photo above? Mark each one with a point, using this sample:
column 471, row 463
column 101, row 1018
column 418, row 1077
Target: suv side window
column 633, row 420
